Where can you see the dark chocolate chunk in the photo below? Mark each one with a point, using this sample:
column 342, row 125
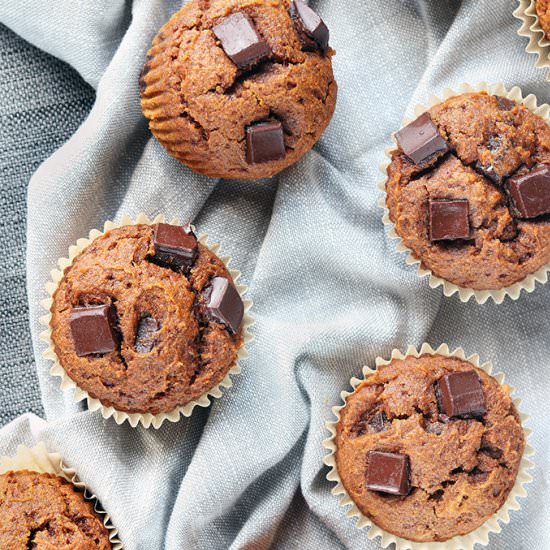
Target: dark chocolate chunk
column 175, row 246
column 487, row 170
column 144, row 71
column 495, row 145
column 146, row 334
column 142, row 83
column 421, row 139
column 223, row 303
column 530, row 193
column 498, row 149
column 388, row 473
column 94, row 329
column 505, row 104
column 460, row 394
column 449, row 219
column 434, row 427
column 437, row 495
column 311, row 29
column 477, row 476
column 378, row 423
column 265, row 142
column 240, row 40
column 494, row 452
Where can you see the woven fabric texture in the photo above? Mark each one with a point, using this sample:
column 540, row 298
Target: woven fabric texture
column 330, row 292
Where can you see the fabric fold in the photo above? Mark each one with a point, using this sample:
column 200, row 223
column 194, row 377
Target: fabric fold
column 329, row 292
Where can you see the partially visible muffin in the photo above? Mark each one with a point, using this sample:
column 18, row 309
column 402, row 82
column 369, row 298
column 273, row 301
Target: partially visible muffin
column 239, row 88
column 429, row 448
column 542, row 8
column 44, row 511
column 468, row 190
column 147, row 319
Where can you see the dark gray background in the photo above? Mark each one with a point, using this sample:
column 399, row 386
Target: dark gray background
column 42, row 102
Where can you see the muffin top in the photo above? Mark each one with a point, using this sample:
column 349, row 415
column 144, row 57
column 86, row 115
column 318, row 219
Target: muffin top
column 429, row 448
column 543, row 11
column 468, row 190
column 147, row 319
column 239, row 88
column 43, row 511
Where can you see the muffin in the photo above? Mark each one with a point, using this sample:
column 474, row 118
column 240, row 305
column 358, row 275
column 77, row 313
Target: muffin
column 44, row 511
column 239, row 89
column 468, row 191
column 535, row 27
column 146, row 319
column 428, row 447
column 542, row 8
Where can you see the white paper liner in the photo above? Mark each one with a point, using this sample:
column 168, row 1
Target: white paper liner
column 466, row 542
column 538, row 44
column 147, row 419
column 481, row 296
column 38, row 459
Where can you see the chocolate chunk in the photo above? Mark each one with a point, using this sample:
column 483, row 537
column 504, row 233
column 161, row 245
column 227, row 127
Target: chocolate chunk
column 494, row 452
column 144, row 71
column 388, row 473
column 498, row 149
column 240, row 40
column 311, row 29
column 487, row 170
column 495, row 145
column 94, row 329
column 449, row 220
column 223, row 303
column 530, row 193
column 175, row 246
column 435, row 427
column 378, row 423
column 142, row 83
column 477, row 476
column 505, row 104
column 146, row 334
column 460, row 394
column 421, row 139
column 437, row 495
column 265, row 142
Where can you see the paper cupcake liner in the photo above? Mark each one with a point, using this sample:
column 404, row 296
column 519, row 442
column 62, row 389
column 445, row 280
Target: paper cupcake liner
column 465, row 542
column 481, row 296
column 38, row 459
column 531, row 29
column 145, row 419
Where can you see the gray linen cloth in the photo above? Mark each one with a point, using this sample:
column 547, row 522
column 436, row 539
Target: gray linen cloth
column 330, row 292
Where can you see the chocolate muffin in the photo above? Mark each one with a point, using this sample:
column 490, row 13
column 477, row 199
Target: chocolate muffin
column 468, row 190
column 542, row 8
column 429, row 448
column 239, row 88
column 147, row 319
column 44, row 511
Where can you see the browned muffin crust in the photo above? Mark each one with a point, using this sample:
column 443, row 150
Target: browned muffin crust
column 543, row 11
column 461, row 470
column 490, row 139
column 43, row 511
column 199, row 103
column 190, row 353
